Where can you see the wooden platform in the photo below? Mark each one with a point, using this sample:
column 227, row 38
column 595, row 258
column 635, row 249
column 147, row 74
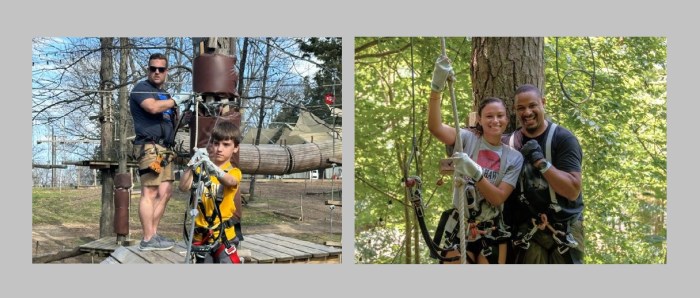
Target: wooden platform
column 260, row 248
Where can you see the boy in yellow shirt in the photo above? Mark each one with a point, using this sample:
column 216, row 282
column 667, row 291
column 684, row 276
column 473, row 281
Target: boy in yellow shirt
column 216, row 204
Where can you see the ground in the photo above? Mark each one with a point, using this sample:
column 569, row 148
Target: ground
column 277, row 208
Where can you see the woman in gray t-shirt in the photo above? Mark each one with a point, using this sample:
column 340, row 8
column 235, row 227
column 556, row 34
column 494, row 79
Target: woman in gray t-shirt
column 483, row 156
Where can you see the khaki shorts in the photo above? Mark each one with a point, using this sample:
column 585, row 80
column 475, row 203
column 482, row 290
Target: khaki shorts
column 147, row 154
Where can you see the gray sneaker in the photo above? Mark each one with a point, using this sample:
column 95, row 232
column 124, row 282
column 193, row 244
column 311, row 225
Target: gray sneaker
column 163, row 238
column 155, row 244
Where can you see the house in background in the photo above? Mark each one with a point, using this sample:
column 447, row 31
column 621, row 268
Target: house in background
column 308, row 129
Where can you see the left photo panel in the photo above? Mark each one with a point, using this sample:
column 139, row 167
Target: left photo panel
column 179, row 150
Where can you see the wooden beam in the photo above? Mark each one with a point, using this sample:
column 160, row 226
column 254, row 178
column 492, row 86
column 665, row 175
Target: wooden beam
column 334, row 243
column 58, row 256
column 334, row 203
column 49, row 166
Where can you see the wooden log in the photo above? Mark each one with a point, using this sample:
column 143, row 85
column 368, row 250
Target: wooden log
column 264, row 159
column 58, row 256
column 270, row 159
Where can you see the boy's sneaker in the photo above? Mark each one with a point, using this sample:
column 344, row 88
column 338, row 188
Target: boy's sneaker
column 155, row 244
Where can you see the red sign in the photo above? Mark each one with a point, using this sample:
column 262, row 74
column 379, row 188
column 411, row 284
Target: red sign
column 329, row 98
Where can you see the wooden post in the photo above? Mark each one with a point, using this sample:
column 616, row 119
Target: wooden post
column 106, row 121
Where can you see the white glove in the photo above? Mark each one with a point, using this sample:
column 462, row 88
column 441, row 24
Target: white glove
column 213, row 169
column 442, row 72
column 464, row 165
column 199, row 155
column 180, row 99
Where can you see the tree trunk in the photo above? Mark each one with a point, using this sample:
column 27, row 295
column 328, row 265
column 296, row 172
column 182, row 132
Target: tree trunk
column 123, row 99
column 262, row 108
column 501, row 64
column 106, row 119
column 241, row 71
column 407, row 224
column 416, row 241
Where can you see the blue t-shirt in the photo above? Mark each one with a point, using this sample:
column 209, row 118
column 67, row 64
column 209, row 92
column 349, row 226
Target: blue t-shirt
column 150, row 127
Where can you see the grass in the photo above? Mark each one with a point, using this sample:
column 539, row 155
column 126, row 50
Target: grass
column 54, row 207
column 51, row 206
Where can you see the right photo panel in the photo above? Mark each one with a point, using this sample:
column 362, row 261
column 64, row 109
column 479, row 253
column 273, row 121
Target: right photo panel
column 510, row 150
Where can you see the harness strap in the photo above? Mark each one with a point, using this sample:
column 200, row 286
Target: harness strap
column 548, row 156
column 416, row 200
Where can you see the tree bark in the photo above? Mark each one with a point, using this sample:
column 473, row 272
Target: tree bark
column 241, row 71
column 123, row 99
column 106, row 119
column 266, row 66
column 501, row 64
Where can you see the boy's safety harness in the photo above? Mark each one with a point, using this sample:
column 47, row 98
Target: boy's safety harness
column 561, row 233
column 209, row 243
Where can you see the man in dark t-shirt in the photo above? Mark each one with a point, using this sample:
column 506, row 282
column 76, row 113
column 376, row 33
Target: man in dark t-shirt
column 153, row 111
column 546, row 210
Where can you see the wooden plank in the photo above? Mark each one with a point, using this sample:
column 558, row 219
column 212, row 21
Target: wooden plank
column 333, row 244
column 295, row 253
column 173, row 255
column 157, row 256
column 267, row 254
column 177, row 253
column 330, row 250
column 109, row 260
column 124, row 255
column 107, row 244
column 329, row 260
column 149, row 256
column 316, row 253
column 334, row 203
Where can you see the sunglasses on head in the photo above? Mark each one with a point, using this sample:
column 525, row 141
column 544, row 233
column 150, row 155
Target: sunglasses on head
column 160, row 69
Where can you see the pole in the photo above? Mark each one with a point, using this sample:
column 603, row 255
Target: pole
column 53, row 157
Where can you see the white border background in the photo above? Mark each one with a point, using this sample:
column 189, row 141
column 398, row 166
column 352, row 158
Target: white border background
column 348, row 20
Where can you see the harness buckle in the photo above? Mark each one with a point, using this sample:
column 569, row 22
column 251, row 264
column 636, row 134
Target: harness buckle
column 230, row 250
column 487, row 250
column 524, row 242
column 564, row 243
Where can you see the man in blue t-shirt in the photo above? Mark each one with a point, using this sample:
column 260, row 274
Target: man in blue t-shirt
column 546, row 210
column 153, row 111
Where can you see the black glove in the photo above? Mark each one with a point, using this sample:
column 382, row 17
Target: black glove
column 532, row 151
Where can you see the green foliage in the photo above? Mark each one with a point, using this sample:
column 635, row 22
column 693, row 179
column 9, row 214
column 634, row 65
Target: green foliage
column 384, row 129
column 619, row 119
column 328, row 79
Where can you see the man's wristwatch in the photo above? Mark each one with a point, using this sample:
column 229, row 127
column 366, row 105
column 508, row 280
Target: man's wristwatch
column 544, row 166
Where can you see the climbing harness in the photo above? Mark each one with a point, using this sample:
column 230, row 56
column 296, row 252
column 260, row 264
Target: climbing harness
column 413, row 185
column 441, row 245
column 212, row 239
column 560, row 232
column 484, row 228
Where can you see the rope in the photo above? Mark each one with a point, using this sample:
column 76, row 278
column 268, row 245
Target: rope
column 562, row 79
column 457, row 148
